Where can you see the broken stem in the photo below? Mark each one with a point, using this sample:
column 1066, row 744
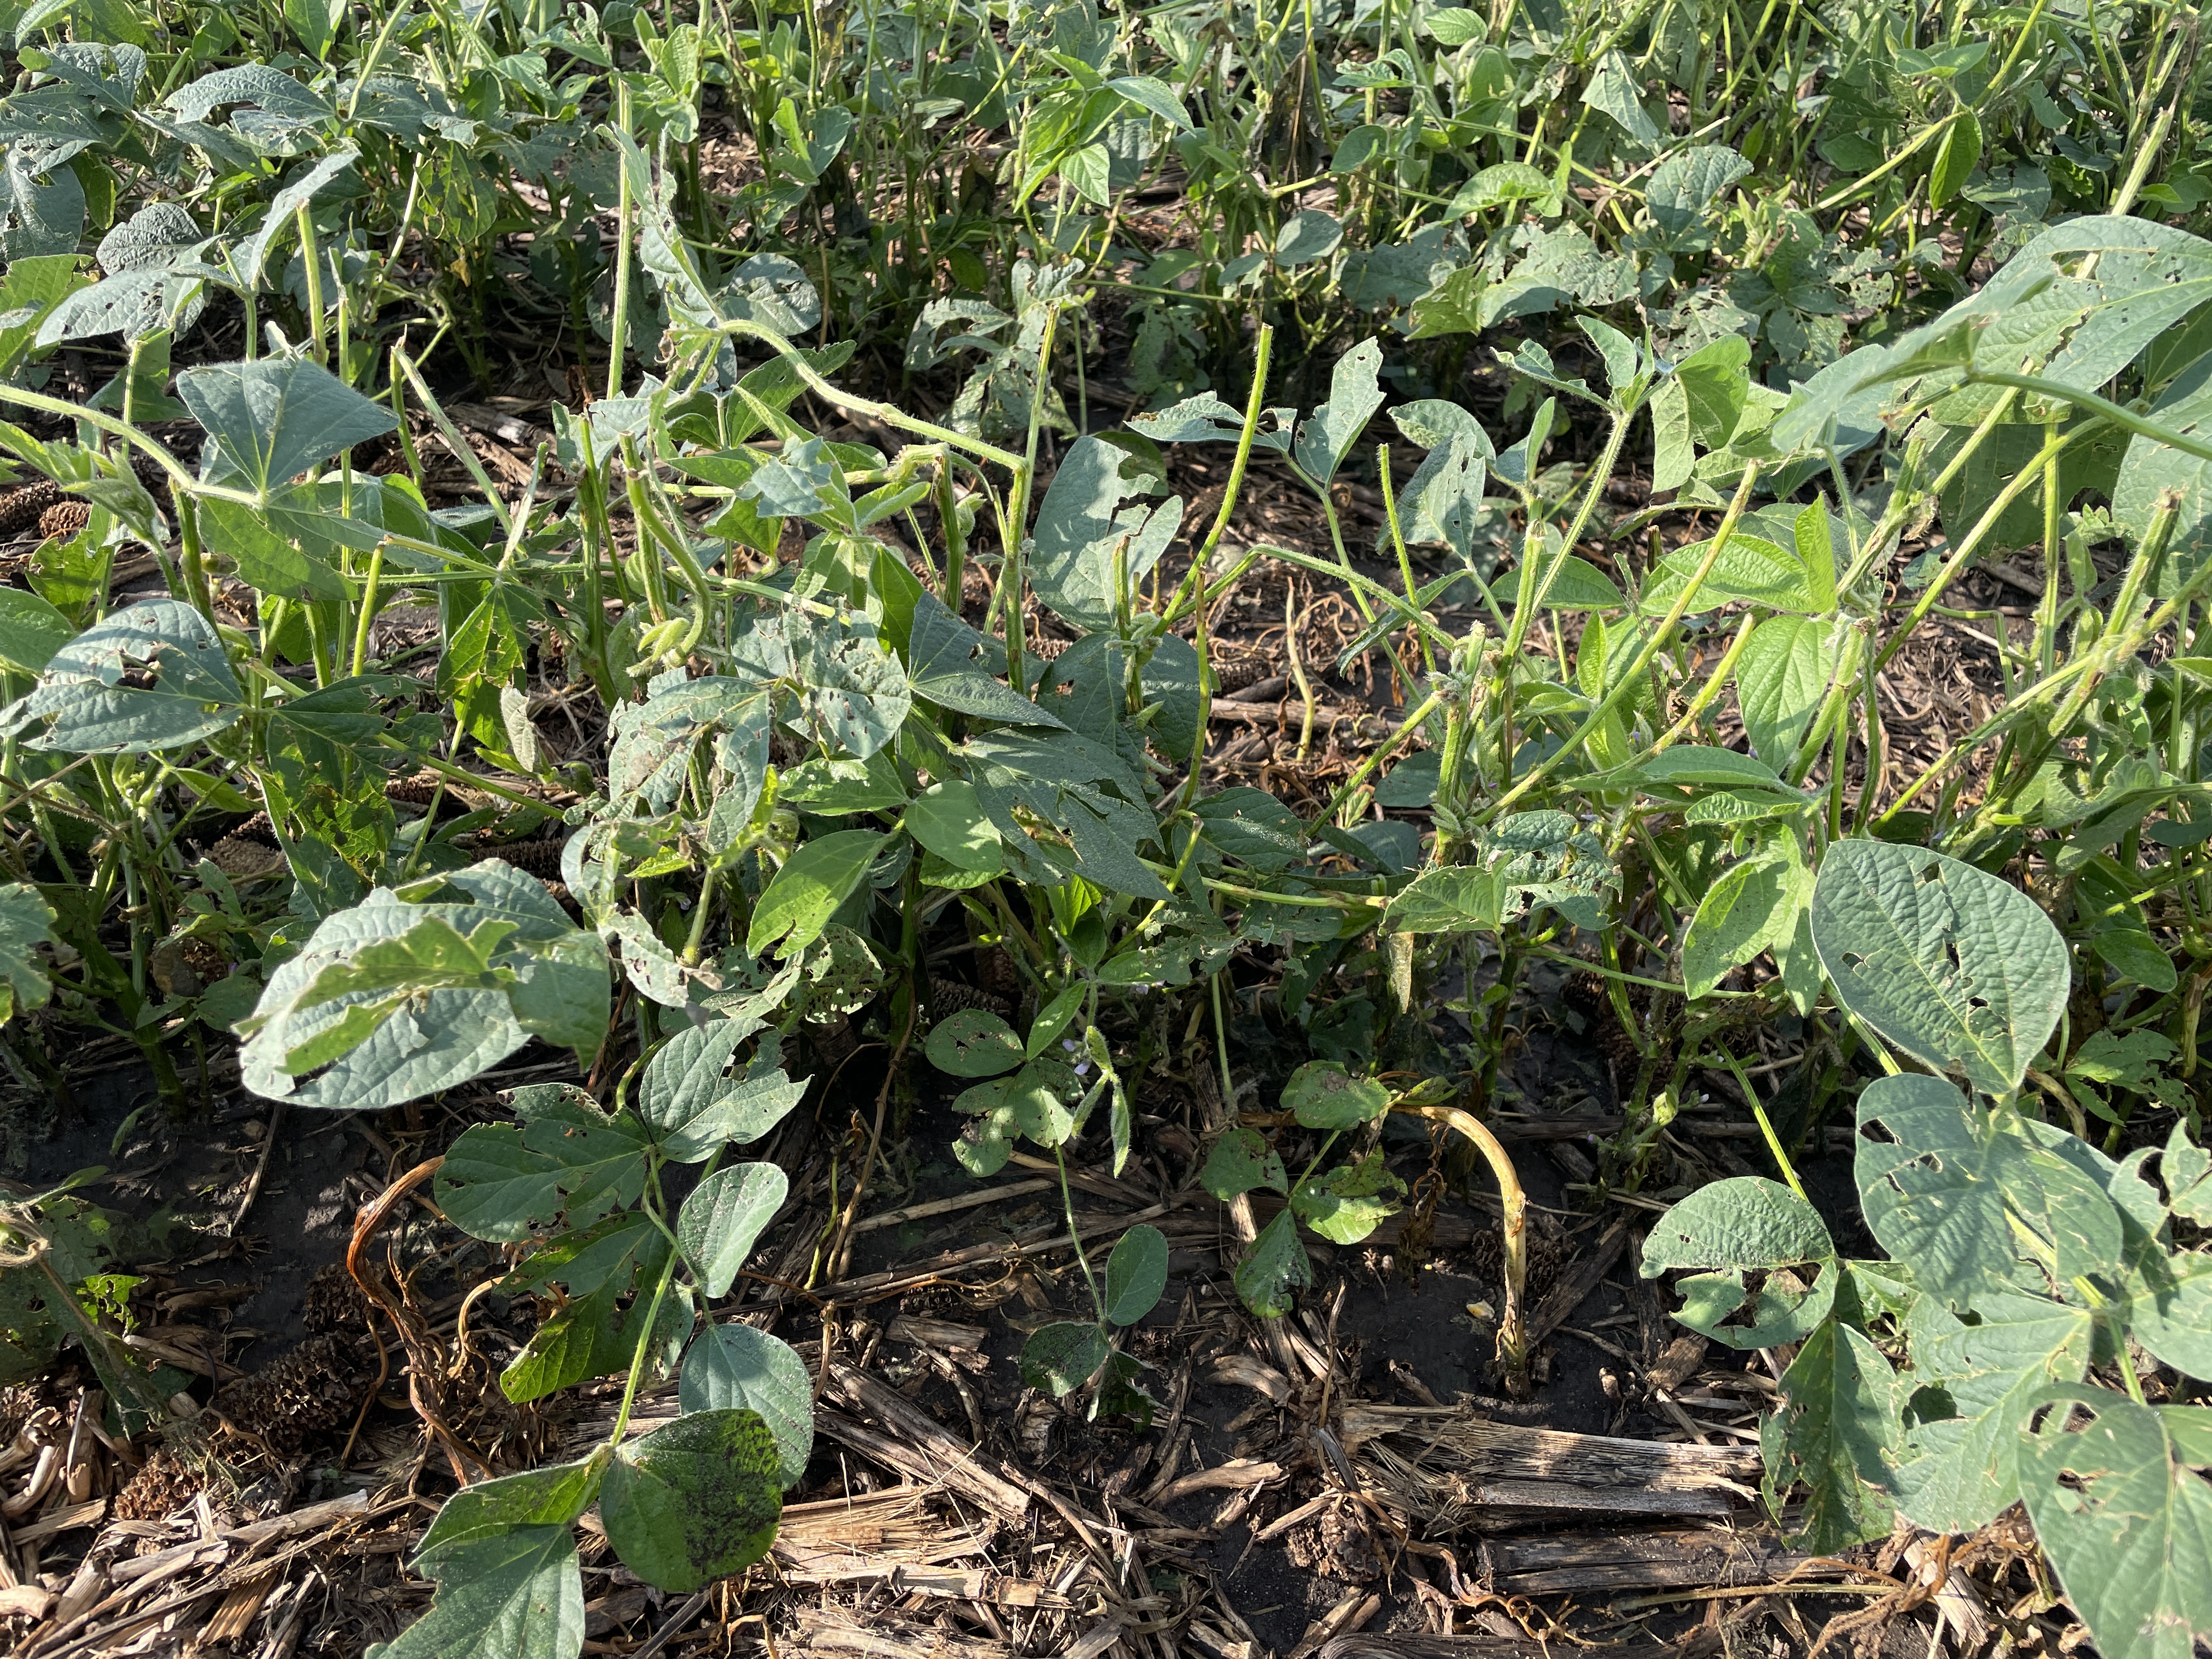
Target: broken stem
column 1513, row 1338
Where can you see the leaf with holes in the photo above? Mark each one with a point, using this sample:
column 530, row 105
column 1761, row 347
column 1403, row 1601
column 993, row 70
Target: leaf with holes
column 1975, row 1388
column 149, row 678
column 1959, row 1194
column 1959, row 969
column 2124, row 1511
column 1241, row 1161
column 1274, row 1269
column 974, row 1042
column 1323, row 1095
column 692, row 1107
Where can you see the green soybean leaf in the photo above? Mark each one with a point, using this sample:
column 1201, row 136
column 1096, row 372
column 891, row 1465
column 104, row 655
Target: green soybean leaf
column 550, row 1496
column 1745, row 1225
column 1957, row 1470
column 1750, row 568
column 734, row 1367
column 152, row 676
column 1350, row 1201
column 1274, row 1269
column 806, row 892
column 565, row 1162
column 1958, row 968
column 276, row 417
column 517, row 1592
column 1084, row 520
column 431, row 1032
column 1322, row 1095
column 695, row 1500
column 595, row 1336
column 1242, row 1162
column 1753, row 906
column 948, row 820
column 2124, row 1512
column 1052, row 1019
column 1136, row 1273
column 723, row 1217
column 1834, row 1434
column 973, row 1042
column 31, row 631
column 693, row 1107
column 1061, row 1358
column 2170, row 1307
column 1781, row 677
column 1956, row 158
column 1447, row 899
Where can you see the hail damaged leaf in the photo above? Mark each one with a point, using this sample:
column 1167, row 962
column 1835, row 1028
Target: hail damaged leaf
column 1274, row 1269
column 1061, row 1358
column 1350, row 1201
column 514, row 1592
column 1958, row 968
column 1241, row 1161
column 26, row 923
column 2124, row 1511
column 734, row 1367
column 692, row 1107
column 974, row 1042
column 1976, row 1387
column 1323, row 1095
column 723, row 1217
column 613, row 1251
column 1949, row 1188
column 650, row 753
column 276, row 417
column 1743, row 1222
column 1740, row 1226
column 153, row 676
column 1136, row 1273
column 695, row 1500
column 1055, row 781
column 1327, row 436
column 1083, row 522
column 1835, row 1434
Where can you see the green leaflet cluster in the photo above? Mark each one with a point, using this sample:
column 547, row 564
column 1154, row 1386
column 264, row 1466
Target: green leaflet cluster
column 581, row 1189
column 2024, row 1265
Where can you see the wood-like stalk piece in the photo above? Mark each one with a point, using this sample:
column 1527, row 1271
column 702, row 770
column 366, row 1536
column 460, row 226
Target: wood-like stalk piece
column 1513, row 1338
